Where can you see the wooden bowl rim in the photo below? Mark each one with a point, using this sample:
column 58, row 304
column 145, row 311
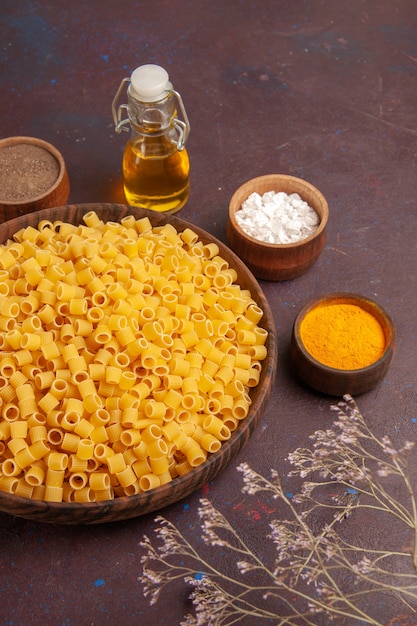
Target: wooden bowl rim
column 41, row 143
column 278, row 177
column 368, row 304
column 126, row 507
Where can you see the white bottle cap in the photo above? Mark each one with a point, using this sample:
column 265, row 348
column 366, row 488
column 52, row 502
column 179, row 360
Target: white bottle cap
column 150, row 82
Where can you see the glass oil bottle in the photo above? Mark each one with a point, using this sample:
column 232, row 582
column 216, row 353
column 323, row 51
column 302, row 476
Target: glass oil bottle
column 155, row 161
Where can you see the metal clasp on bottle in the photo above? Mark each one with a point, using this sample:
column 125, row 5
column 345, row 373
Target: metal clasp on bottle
column 121, row 121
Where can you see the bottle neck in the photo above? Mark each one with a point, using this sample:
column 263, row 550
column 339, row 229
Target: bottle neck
column 151, row 118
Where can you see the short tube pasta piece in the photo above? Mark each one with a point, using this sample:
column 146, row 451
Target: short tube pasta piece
column 149, row 481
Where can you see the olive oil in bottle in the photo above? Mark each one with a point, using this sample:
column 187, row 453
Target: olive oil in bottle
column 152, row 181
column 155, row 162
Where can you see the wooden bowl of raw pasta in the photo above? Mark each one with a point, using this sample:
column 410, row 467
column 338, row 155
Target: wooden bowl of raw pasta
column 278, row 261
column 343, row 343
column 33, row 176
column 153, row 497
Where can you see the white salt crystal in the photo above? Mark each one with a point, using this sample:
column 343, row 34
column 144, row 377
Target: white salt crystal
column 276, row 217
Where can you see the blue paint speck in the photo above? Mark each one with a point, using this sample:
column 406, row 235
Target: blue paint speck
column 198, row 576
column 351, row 490
column 186, row 507
column 289, row 495
column 99, row 582
column 414, row 420
column 105, row 58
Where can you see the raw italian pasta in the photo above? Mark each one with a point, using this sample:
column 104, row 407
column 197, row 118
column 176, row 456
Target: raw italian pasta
column 127, row 357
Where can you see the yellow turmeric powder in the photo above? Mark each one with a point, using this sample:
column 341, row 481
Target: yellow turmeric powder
column 343, row 336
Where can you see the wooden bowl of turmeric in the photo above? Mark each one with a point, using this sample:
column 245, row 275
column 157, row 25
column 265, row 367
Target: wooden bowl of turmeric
column 342, row 343
column 277, row 225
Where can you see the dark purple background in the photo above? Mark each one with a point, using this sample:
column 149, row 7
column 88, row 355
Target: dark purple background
column 321, row 89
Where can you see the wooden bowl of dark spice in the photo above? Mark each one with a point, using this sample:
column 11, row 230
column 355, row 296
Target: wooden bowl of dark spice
column 33, row 176
column 343, row 343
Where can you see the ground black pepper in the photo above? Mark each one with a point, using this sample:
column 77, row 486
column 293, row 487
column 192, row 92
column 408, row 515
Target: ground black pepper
column 26, row 172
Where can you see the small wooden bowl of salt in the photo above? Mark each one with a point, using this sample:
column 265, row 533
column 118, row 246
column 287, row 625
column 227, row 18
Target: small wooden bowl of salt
column 33, row 176
column 277, row 225
column 342, row 343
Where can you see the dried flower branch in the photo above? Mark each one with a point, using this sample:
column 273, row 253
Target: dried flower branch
column 317, row 567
